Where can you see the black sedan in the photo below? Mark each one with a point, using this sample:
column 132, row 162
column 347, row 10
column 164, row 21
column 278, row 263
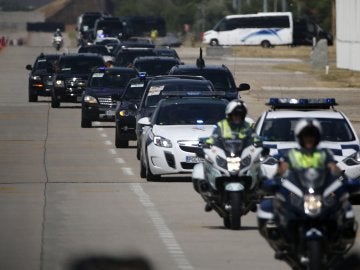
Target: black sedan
column 104, row 88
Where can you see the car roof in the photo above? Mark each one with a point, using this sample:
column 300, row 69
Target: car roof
column 116, row 70
column 174, row 80
column 152, row 58
column 193, row 100
column 78, row 55
column 188, row 67
column 48, row 56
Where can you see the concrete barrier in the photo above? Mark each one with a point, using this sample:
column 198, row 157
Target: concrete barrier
column 219, row 51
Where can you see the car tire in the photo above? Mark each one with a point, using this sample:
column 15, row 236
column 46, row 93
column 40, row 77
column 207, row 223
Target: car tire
column 150, row 177
column 55, row 103
column 33, row 97
column 85, row 123
column 214, row 42
column 118, row 142
column 265, row 44
column 142, row 168
column 138, row 150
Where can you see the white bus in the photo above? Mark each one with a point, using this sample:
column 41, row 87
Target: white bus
column 265, row 29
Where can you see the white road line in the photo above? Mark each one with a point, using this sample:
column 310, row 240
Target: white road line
column 100, row 129
column 112, row 151
column 104, row 135
column 108, row 142
column 163, row 230
column 96, row 123
column 119, row 160
column 127, row 171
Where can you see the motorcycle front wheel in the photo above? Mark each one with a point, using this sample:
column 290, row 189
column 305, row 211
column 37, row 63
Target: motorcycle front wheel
column 315, row 255
column 233, row 219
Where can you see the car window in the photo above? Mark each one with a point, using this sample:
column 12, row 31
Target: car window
column 126, row 58
column 44, row 63
column 282, row 129
column 190, row 114
column 154, row 68
column 80, row 64
column 110, row 80
column 134, row 90
column 94, row 49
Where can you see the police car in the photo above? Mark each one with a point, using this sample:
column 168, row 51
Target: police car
column 276, row 128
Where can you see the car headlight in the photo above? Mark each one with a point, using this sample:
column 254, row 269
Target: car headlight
column 90, row 99
column 312, row 204
column 162, row 142
column 59, row 83
column 353, row 159
column 123, row 113
column 233, row 163
column 36, row 78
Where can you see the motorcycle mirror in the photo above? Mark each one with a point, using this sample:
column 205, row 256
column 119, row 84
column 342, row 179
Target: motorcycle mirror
column 243, row 87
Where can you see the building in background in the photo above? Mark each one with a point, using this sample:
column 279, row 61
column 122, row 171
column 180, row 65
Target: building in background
column 348, row 34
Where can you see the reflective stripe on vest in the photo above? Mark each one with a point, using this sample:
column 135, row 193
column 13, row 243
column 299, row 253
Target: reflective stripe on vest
column 227, row 132
column 299, row 160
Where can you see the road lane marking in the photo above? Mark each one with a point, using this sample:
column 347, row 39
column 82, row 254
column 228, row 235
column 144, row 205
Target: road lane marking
column 104, row 135
column 165, row 234
column 112, row 151
column 119, row 160
column 108, row 142
column 286, row 88
column 127, row 171
column 100, row 129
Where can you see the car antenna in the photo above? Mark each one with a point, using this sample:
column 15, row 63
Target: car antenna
column 200, row 63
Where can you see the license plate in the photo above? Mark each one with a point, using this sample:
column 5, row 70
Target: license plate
column 78, row 99
column 193, row 159
column 49, row 83
column 110, row 113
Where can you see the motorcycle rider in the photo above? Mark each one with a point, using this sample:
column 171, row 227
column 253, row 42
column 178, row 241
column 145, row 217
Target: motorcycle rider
column 233, row 126
column 57, row 33
column 308, row 134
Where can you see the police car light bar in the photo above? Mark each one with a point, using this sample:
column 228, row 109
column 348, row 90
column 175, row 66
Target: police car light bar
column 301, row 103
column 193, row 93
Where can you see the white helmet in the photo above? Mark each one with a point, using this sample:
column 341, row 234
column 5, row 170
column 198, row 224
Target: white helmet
column 308, row 127
column 236, row 106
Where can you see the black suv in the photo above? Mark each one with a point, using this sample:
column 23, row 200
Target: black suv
column 125, row 56
column 155, row 65
column 126, row 110
column 40, row 77
column 219, row 75
column 104, row 88
column 191, row 85
column 71, row 76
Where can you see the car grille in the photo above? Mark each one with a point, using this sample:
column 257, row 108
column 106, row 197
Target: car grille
column 190, row 146
column 170, row 159
column 105, row 100
column 75, row 83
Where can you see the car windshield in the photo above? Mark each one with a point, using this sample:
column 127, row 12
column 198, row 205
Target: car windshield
column 190, row 114
column 45, row 63
column 154, row 68
column 134, row 91
column 94, row 49
column 154, row 94
column 80, row 64
column 125, row 58
column 282, row 129
column 110, row 80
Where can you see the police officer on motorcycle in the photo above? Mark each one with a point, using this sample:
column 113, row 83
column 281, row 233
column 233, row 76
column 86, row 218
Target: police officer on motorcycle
column 234, row 125
column 308, row 134
column 57, row 33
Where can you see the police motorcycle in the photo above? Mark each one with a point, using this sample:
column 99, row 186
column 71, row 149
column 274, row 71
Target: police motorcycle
column 312, row 224
column 57, row 41
column 227, row 179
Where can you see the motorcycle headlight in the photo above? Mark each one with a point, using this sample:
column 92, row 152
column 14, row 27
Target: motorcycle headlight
column 59, row 83
column 233, row 163
column 162, row 142
column 353, row 159
column 36, row 78
column 221, row 162
column 90, row 99
column 312, row 204
column 123, row 113
column 245, row 161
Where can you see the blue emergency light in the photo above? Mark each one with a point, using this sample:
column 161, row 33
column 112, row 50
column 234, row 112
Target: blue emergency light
column 301, row 103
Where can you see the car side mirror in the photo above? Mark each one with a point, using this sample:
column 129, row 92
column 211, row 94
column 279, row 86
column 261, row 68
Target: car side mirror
column 243, row 87
column 28, row 67
column 145, row 121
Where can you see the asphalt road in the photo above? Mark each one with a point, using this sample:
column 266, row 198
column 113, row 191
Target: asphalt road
column 67, row 193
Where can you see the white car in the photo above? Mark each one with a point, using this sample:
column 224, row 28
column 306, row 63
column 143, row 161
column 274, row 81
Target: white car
column 171, row 136
column 276, row 128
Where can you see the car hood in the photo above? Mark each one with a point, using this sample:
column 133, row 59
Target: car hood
column 183, row 132
column 41, row 72
column 69, row 75
column 340, row 150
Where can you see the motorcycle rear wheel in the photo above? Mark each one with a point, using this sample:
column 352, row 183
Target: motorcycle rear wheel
column 315, row 255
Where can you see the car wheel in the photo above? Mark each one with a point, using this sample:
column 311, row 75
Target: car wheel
column 118, row 142
column 138, row 150
column 55, row 103
column 150, row 177
column 142, row 168
column 33, row 97
column 85, row 123
column 214, row 42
